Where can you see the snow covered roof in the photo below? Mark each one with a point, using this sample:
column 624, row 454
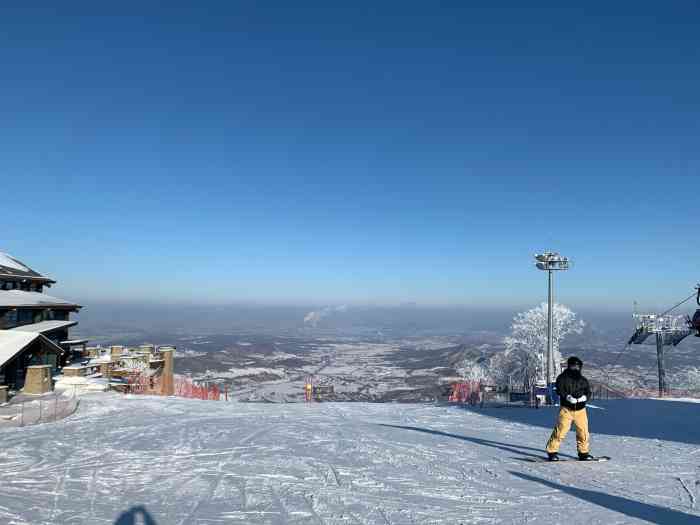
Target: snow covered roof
column 44, row 326
column 75, row 366
column 12, row 343
column 22, row 298
column 74, row 342
column 100, row 360
column 10, row 266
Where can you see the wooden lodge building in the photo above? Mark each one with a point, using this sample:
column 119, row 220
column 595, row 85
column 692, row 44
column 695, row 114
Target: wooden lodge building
column 33, row 325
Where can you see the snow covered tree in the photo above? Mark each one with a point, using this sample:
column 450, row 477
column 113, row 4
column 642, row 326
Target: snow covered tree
column 688, row 379
column 524, row 359
column 472, row 370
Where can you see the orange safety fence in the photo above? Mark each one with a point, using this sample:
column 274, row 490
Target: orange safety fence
column 467, row 392
column 183, row 387
column 144, row 384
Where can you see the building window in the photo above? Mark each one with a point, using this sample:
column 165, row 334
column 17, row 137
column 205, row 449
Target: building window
column 10, row 319
column 60, row 315
column 25, row 316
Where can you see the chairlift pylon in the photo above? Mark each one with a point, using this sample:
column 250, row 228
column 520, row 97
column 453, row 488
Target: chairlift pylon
column 694, row 323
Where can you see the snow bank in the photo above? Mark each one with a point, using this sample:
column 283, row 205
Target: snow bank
column 81, row 385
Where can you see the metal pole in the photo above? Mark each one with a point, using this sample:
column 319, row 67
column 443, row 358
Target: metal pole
column 660, row 362
column 550, row 303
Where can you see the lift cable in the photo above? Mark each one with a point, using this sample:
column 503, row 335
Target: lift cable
column 617, row 360
column 691, row 296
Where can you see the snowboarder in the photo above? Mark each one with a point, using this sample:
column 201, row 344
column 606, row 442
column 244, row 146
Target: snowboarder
column 574, row 391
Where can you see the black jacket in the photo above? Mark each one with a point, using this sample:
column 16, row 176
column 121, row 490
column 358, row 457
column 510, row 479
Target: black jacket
column 572, row 383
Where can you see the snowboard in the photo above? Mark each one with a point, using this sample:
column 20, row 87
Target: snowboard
column 598, row 459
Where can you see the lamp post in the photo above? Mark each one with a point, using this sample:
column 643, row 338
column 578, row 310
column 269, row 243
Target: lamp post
column 550, row 262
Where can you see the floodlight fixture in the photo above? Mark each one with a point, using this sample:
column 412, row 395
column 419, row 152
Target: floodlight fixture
column 551, row 261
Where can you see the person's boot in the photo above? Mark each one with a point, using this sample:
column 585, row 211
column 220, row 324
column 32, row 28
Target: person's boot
column 552, row 456
column 585, row 456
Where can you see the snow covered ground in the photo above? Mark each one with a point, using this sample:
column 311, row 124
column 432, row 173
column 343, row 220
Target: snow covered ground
column 358, row 371
column 204, row 462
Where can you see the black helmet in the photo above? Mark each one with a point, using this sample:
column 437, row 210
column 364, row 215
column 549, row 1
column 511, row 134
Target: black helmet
column 574, row 361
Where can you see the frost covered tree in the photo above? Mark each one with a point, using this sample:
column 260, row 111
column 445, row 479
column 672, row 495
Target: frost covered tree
column 688, row 379
column 524, row 358
column 473, row 370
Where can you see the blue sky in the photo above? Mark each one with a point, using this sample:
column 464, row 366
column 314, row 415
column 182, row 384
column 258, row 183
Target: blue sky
column 302, row 153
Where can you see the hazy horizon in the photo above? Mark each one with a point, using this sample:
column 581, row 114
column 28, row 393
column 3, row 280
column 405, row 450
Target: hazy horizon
column 398, row 319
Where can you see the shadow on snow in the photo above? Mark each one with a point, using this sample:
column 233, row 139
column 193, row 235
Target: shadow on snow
column 508, row 447
column 628, row 507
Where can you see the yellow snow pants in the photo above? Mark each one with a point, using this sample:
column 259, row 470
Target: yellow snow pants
column 567, row 416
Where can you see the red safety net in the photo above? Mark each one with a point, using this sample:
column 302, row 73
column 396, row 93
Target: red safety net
column 183, row 387
column 467, row 392
column 144, row 384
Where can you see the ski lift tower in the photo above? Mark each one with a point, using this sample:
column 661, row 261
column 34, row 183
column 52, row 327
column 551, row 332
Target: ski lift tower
column 550, row 262
column 669, row 330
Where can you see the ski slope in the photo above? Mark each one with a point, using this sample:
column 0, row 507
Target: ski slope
column 204, row 462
